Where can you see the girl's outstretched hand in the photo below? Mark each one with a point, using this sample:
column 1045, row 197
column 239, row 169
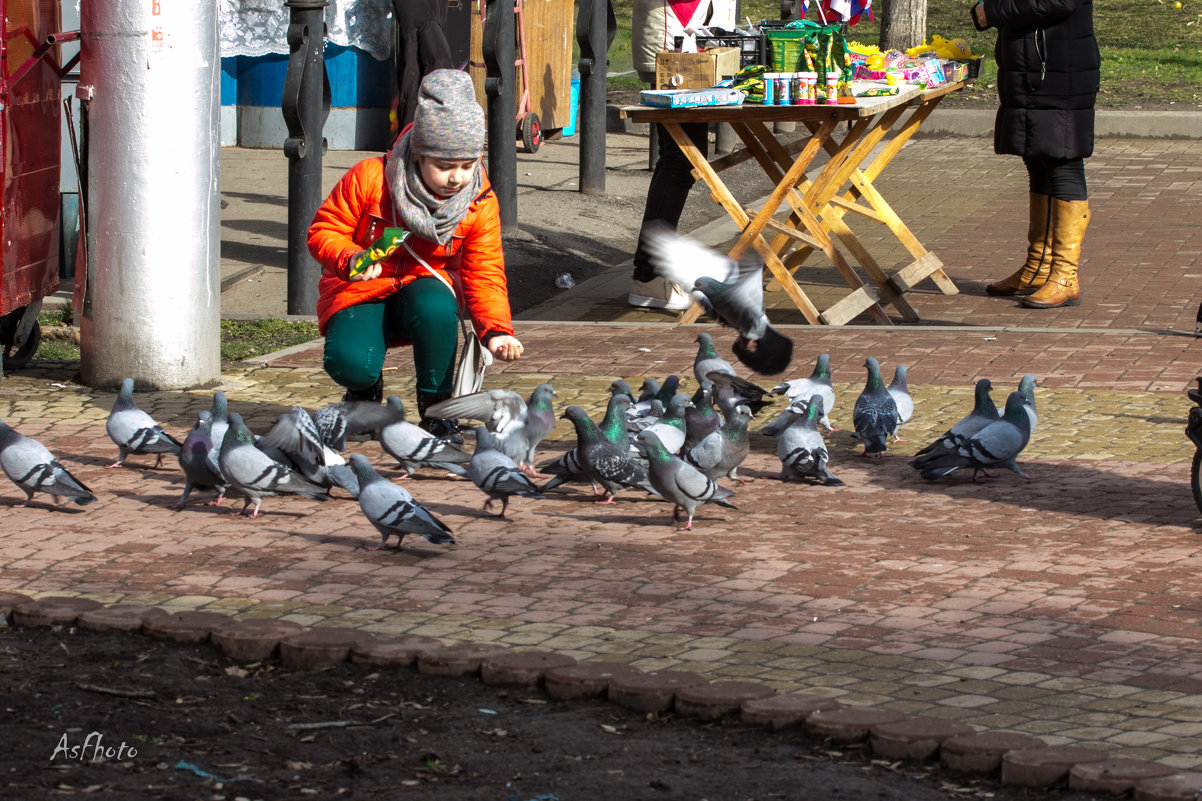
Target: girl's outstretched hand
column 505, row 347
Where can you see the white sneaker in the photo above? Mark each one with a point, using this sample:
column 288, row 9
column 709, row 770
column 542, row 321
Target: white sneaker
column 658, row 293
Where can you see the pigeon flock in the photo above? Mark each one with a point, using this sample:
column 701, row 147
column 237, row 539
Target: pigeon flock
column 671, row 446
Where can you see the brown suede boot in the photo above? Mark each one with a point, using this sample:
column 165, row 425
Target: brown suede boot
column 1039, row 253
column 1061, row 288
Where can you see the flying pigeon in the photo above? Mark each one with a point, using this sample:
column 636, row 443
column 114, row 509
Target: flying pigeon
column 414, row 447
column 602, row 461
column 392, row 510
column 33, row 468
column 296, row 438
column 734, row 295
column 134, row 431
column 678, row 481
column 996, row 445
column 900, row 393
column 801, row 451
column 345, row 419
column 197, row 459
column 255, row 474
column 567, row 468
column 517, row 426
column 875, row 412
column 818, row 383
column 721, row 452
column 496, row 474
column 983, row 413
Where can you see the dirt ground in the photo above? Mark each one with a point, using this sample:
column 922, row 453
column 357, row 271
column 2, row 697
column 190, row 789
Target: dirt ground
column 126, row 716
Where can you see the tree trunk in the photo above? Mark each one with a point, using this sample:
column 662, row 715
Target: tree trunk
column 903, row 24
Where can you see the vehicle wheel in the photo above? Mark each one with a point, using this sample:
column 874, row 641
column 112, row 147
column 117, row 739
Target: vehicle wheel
column 16, row 357
column 532, row 133
column 1195, row 479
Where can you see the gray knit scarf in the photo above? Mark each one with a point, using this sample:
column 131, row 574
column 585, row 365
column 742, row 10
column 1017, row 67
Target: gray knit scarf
column 420, row 210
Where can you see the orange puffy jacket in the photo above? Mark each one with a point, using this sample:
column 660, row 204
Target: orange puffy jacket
column 472, row 261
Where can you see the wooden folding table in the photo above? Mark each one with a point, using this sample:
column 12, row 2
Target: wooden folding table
column 818, row 206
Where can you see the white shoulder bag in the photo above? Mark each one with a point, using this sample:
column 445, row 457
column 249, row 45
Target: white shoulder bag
column 473, row 356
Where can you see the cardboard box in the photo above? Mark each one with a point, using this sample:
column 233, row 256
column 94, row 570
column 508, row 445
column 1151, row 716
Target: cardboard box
column 688, row 98
column 695, row 70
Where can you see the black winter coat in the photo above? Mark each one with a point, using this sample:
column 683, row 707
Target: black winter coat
column 1048, row 77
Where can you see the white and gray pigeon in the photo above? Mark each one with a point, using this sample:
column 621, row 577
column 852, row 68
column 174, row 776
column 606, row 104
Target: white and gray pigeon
column 392, row 510
column 983, row 413
column 875, row 413
column 256, row 475
column 721, row 452
column 1027, row 387
column 338, row 421
column 517, row 426
column 295, row 436
column 707, row 360
column 197, row 458
column 605, row 463
column 670, row 428
column 733, row 294
column 496, row 474
column 653, row 391
column 818, row 383
column 996, row 445
column 899, row 390
column 800, row 448
column 678, row 481
column 414, row 447
column 33, row 468
column 134, row 431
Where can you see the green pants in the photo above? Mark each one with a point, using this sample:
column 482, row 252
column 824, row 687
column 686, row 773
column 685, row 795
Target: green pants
column 423, row 311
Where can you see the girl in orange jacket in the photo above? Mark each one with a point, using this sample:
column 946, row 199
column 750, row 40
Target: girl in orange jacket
column 432, row 184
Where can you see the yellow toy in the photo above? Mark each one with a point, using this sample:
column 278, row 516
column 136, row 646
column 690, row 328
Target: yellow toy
column 944, row 48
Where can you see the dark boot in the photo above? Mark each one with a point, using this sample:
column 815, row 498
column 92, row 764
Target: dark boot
column 439, row 427
column 374, row 393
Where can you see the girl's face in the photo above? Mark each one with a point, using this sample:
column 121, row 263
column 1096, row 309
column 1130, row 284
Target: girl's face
column 445, row 177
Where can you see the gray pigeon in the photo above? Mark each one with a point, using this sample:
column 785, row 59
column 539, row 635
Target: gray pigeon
column 196, row 458
column 602, row 461
column 1027, row 387
column 653, row 391
column 220, row 423
column 669, row 429
column 721, row 452
column 875, row 413
column 734, row 295
column 496, row 474
column 255, row 474
column 900, row 392
column 678, row 481
column 622, row 387
column 392, row 510
column 568, row 468
column 33, row 468
column 730, row 391
column 707, row 360
column 801, row 450
column 517, row 426
column 134, row 431
column 414, row 447
column 702, row 419
column 338, row 421
column 983, row 413
column 996, row 445
column 819, row 382
column 295, row 435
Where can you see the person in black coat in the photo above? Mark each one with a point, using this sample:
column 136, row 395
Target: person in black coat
column 1048, row 79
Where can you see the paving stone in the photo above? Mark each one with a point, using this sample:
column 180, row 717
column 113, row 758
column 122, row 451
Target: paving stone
column 394, row 651
column 719, row 698
column 52, row 611
column 119, row 617
column 583, row 680
column 915, row 738
column 461, row 659
column 1115, row 776
column 653, row 691
column 252, row 640
column 322, row 646
column 1181, row 787
column 521, row 668
column 786, row 709
column 850, row 724
column 187, row 627
column 982, row 753
column 1045, row 766
column 10, row 599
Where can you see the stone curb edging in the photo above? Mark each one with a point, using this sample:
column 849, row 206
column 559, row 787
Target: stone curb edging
column 1025, row 761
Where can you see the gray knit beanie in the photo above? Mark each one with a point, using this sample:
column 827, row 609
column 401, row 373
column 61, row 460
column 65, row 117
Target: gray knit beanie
column 448, row 122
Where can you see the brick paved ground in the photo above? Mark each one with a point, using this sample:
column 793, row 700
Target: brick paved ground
column 1066, row 607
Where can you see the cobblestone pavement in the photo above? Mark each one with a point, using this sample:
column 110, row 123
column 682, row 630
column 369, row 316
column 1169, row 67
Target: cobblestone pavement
column 1066, row 607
